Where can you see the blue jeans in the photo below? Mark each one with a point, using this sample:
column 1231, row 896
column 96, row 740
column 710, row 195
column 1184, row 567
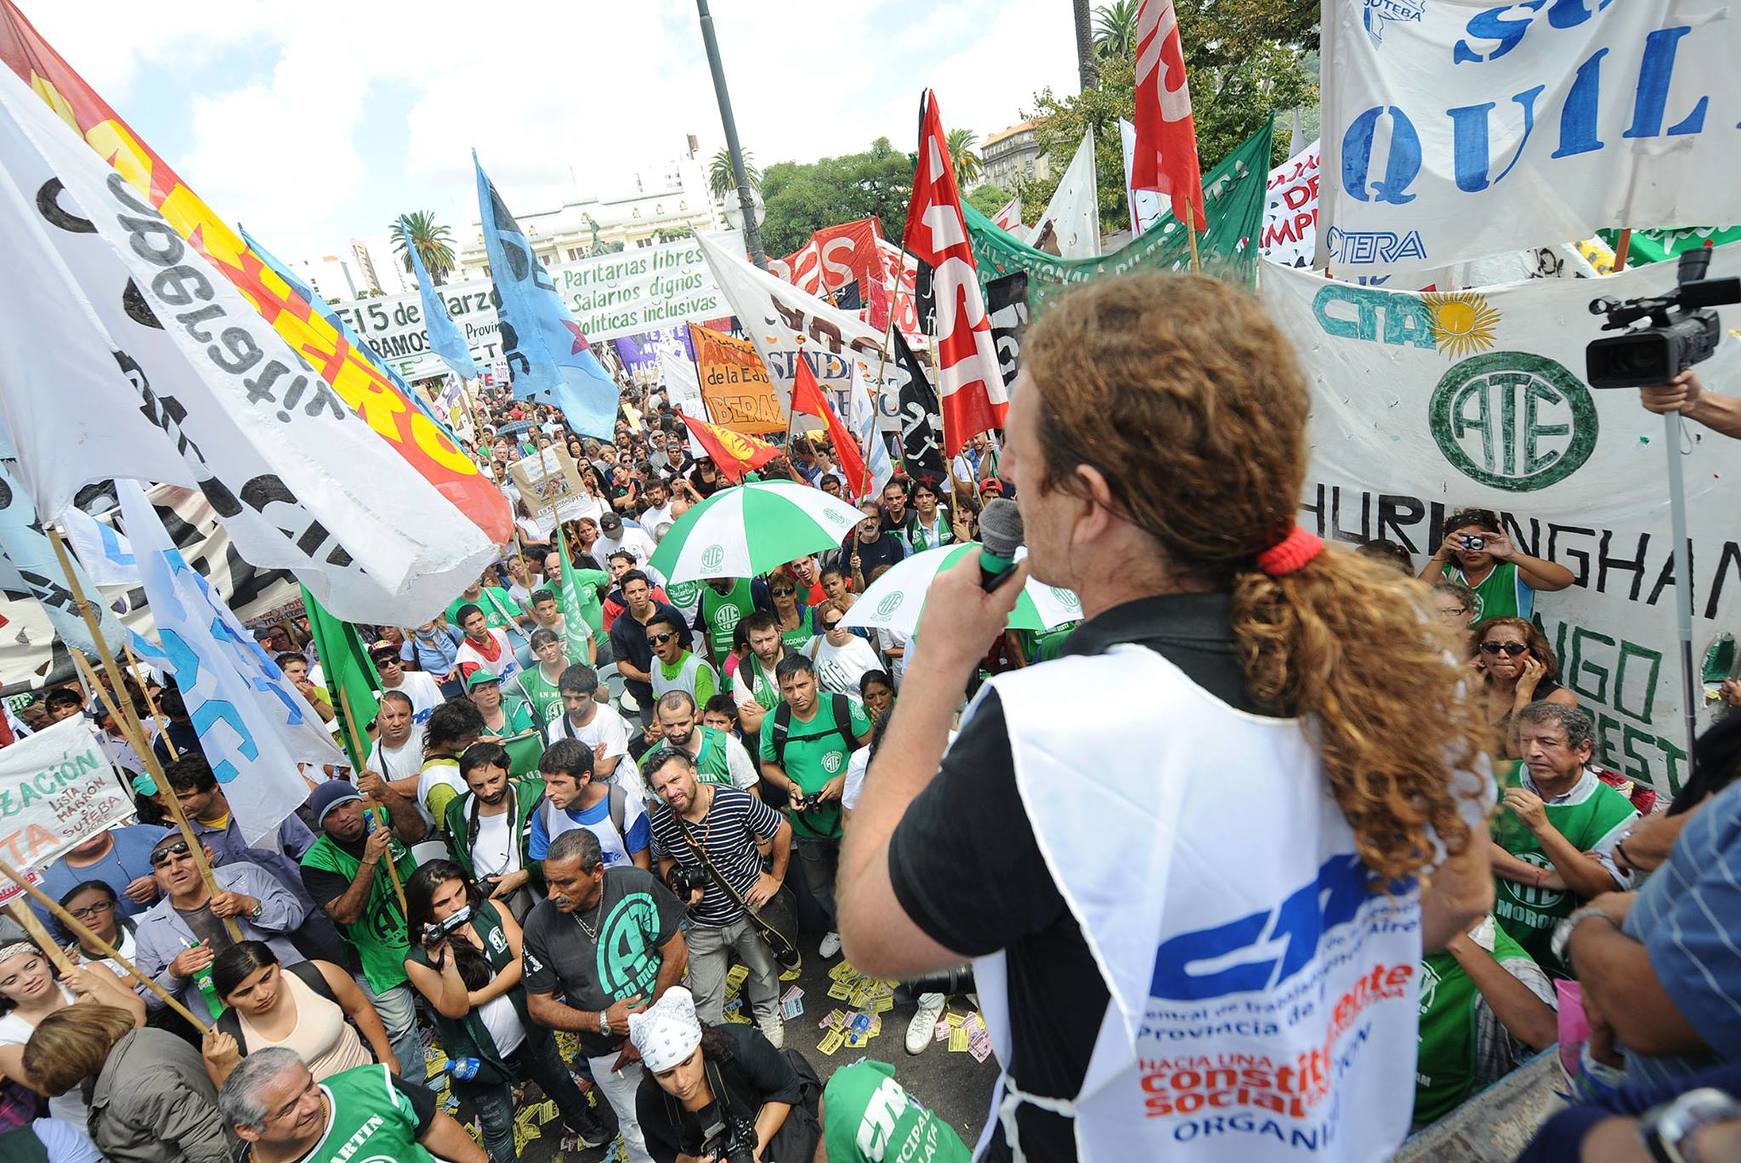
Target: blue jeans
column 398, row 1010
column 536, row 1060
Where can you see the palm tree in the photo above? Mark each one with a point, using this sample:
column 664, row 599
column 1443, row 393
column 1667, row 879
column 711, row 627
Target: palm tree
column 431, row 239
column 1115, row 28
column 962, row 157
column 721, row 181
column 1087, row 67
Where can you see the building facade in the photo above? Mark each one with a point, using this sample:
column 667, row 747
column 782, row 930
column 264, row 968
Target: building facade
column 1013, row 154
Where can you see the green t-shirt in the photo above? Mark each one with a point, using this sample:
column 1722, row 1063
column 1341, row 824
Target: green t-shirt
column 1445, row 1067
column 371, row 1119
column 523, row 752
column 872, row 1119
column 539, row 693
column 500, row 611
column 379, row 934
column 1501, row 594
column 817, row 752
column 721, row 613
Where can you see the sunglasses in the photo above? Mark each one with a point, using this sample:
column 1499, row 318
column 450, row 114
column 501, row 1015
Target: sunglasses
column 831, row 625
column 90, row 911
column 165, row 854
column 387, row 660
column 660, row 639
column 1511, row 649
column 782, row 591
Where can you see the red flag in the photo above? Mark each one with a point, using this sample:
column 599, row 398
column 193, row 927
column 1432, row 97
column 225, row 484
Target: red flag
column 1165, row 159
column 969, row 384
column 807, row 397
column 733, row 452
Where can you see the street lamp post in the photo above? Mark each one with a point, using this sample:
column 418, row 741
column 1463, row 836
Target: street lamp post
column 752, row 229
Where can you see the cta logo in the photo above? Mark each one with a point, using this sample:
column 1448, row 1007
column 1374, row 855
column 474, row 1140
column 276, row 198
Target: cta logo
column 1513, row 421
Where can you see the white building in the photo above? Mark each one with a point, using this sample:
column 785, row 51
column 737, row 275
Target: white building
column 1012, row 154
column 673, row 200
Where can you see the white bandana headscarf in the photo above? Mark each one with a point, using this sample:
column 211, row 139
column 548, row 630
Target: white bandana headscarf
column 668, row 1032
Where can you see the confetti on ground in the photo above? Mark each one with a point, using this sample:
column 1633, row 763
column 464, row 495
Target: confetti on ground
column 980, row 1048
column 958, row 1041
column 792, row 1007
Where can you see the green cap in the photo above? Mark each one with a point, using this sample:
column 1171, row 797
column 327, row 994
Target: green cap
column 144, row 784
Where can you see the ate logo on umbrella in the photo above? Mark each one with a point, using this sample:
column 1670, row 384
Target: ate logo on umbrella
column 890, row 604
column 713, row 557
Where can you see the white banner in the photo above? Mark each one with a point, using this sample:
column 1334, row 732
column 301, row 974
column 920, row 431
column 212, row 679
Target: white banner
column 1290, row 211
column 1145, row 205
column 1461, row 128
column 1427, row 403
column 1073, row 214
column 128, row 355
column 56, row 790
column 775, row 314
column 609, row 295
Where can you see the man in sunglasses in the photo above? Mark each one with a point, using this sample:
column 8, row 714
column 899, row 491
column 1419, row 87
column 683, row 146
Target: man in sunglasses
column 629, row 641
column 421, row 688
column 177, row 938
column 674, row 667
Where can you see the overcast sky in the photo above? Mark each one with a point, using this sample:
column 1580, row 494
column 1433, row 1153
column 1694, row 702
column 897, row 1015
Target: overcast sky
column 315, row 121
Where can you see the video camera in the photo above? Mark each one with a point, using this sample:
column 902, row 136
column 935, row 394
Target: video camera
column 1683, row 329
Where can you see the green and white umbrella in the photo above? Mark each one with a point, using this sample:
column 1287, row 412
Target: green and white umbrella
column 893, row 601
column 750, row 529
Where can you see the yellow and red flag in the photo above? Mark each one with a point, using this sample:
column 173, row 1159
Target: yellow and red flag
column 734, row 453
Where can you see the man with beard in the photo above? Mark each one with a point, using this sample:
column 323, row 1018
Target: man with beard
column 342, row 871
column 489, row 828
column 870, row 547
column 728, row 826
column 754, row 686
column 604, row 945
column 718, row 757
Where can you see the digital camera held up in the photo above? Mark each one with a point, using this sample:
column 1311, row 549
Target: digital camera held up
column 1683, row 329
column 730, row 1141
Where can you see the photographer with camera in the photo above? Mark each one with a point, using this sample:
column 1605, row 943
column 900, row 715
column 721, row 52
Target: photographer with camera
column 1505, row 580
column 720, row 1092
column 466, row 963
column 1686, row 394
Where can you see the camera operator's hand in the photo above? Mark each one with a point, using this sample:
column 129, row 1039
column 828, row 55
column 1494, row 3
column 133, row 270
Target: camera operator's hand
column 832, row 790
column 1680, row 394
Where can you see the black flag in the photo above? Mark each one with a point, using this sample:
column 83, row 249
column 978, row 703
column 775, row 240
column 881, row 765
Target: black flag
column 1006, row 306
column 921, row 418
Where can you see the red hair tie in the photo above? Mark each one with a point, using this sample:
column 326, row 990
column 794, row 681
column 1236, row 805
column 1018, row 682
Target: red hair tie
column 1290, row 553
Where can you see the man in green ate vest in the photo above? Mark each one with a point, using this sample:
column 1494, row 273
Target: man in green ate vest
column 726, row 601
column 342, row 871
column 1556, row 830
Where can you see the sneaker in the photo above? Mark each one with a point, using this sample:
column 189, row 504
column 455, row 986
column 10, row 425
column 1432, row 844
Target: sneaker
column 923, row 1028
column 830, row 944
column 773, row 1029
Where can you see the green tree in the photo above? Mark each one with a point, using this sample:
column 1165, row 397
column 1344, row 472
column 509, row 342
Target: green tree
column 961, row 154
column 432, row 240
column 804, row 197
column 1246, row 60
column 721, row 181
column 1115, row 28
column 987, row 198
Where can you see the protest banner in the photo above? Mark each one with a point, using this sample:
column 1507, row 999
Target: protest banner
column 28, row 571
column 735, row 384
column 550, row 477
column 1453, row 131
column 56, row 791
column 1235, row 194
column 362, row 387
column 835, row 257
column 1648, row 246
column 1290, row 212
column 1426, row 403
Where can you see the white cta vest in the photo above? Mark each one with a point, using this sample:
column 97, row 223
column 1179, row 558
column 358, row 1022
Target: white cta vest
column 1263, row 1000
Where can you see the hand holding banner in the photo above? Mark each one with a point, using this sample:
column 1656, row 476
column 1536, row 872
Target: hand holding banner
column 57, row 790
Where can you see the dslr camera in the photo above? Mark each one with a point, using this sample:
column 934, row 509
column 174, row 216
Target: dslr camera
column 681, row 882
column 1683, row 330
column 730, row 1141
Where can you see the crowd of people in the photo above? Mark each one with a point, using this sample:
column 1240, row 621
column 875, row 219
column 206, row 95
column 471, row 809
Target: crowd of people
column 566, row 838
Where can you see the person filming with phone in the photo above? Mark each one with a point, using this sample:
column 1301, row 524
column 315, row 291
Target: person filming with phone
column 1505, row 579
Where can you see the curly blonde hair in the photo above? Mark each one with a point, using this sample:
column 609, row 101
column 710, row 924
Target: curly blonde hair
column 1188, row 400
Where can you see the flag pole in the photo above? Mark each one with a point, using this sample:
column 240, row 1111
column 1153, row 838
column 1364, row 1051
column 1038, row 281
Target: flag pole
column 1191, row 233
column 130, row 718
column 85, row 937
column 357, row 743
column 1622, row 248
column 150, row 703
column 33, row 927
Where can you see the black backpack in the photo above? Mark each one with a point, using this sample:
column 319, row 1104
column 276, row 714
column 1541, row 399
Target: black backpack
column 842, row 726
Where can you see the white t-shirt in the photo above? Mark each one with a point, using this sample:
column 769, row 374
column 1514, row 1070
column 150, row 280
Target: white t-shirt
column 634, row 541
column 494, row 852
column 838, row 668
column 652, row 518
column 402, row 761
column 502, row 1020
column 423, row 691
column 856, row 765
column 443, row 773
column 15, row 1030
column 607, row 735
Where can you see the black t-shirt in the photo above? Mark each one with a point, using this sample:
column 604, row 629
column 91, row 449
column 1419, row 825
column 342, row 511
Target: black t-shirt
column 971, row 817
column 753, row 1075
column 887, row 549
column 325, row 886
column 634, row 916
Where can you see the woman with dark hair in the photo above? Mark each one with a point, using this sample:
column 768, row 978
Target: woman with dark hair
column 94, row 904
column 877, row 691
column 720, row 1091
column 465, row 961
column 313, row 1007
column 1518, row 668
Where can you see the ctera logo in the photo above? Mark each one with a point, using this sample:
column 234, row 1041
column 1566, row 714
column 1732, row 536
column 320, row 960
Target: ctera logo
column 1513, row 421
column 713, row 557
column 890, row 604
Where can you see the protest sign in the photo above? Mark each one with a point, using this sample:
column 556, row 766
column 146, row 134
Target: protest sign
column 1457, row 130
column 552, row 477
column 1290, row 213
column 1426, row 403
column 834, row 257
column 735, row 385
column 1648, row 246
column 56, row 790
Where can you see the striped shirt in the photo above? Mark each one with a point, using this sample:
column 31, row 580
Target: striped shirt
column 728, row 834
column 1687, row 915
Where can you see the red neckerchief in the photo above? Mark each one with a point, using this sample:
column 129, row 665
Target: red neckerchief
column 495, row 650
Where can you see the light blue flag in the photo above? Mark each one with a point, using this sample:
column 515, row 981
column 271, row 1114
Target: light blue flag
column 322, row 308
column 30, row 570
column 444, row 337
column 548, row 356
column 253, row 725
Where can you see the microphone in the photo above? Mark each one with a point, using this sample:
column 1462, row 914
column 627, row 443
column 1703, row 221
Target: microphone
column 1000, row 535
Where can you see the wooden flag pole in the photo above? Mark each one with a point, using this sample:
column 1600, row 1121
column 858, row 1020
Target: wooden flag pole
column 369, row 801
column 33, row 926
column 1622, row 248
column 85, row 937
column 1191, row 233
column 136, row 731
column 150, row 703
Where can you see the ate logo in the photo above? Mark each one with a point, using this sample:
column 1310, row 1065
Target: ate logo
column 1513, row 421
column 832, row 761
column 890, row 604
column 713, row 557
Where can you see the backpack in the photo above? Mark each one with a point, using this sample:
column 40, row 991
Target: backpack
column 783, row 726
column 618, row 806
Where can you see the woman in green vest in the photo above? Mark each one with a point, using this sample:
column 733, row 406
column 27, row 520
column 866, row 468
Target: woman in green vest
column 507, row 720
column 465, row 961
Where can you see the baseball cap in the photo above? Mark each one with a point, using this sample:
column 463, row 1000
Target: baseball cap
column 480, row 677
column 383, row 650
column 330, row 795
column 610, row 522
column 991, row 486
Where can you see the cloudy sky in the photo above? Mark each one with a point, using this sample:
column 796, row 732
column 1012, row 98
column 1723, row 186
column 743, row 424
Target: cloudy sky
column 318, row 121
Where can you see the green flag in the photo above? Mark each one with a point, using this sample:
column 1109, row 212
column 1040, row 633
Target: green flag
column 1650, row 246
column 1234, row 198
column 350, row 675
column 570, row 602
